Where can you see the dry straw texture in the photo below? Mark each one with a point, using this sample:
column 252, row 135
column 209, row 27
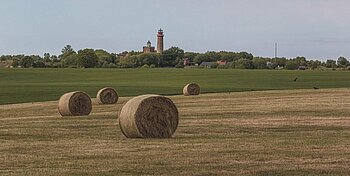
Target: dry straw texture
column 107, row 95
column 191, row 89
column 75, row 104
column 149, row 116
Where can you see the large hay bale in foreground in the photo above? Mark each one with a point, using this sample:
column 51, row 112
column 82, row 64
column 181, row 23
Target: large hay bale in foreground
column 75, row 104
column 149, row 116
column 191, row 89
column 107, row 95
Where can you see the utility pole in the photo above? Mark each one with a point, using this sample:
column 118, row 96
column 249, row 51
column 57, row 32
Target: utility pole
column 276, row 53
column 275, row 50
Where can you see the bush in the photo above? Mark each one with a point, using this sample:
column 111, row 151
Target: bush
column 214, row 65
column 145, row 66
column 105, row 65
column 291, row 65
column 179, row 65
column 222, row 67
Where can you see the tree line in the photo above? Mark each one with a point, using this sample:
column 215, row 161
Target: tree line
column 172, row 57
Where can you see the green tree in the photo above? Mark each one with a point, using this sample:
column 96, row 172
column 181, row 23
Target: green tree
column 39, row 64
column 125, row 62
column 301, row 61
column 149, row 58
column 26, row 62
column 201, row 58
column 278, row 62
column 190, row 55
column 228, row 56
column 259, row 63
column 213, row 56
column 15, row 63
column 132, row 61
column 245, row 55
column 87, row 58
column 342, row 62
column 67, row 49
column 170, row 56
column 179, row 63
column 47, row 57
column 105, row 57
column 3, row 58
column 331, row 63
column 6, row 57
column 313, row 64
column 292, row 65
column 54, row 58
column 66, row 52
column 70, row 61
column 244, row 64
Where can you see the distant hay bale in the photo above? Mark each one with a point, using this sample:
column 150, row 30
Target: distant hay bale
column 191, row 89
column 75, row 104
column 149, row 116
column 107, row 95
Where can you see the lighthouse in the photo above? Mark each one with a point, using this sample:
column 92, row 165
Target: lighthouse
column 160, row 41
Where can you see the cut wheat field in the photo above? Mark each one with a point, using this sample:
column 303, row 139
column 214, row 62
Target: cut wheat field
column 280, row 132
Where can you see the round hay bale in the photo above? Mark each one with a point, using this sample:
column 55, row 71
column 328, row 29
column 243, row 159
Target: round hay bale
column 149, row 116
column 75, row 104
column 107, row 95
column 191, row 89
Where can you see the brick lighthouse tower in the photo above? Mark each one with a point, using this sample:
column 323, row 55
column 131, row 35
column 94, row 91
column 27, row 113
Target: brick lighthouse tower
column 160, row 43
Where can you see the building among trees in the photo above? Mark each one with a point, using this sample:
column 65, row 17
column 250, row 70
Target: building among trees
column 160, row 44
column 148, row 48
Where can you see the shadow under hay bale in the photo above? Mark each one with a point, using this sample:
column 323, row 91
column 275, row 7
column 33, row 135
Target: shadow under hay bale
column 107, row 95
column 191, row 89
column 149, row 116
column 75, row 104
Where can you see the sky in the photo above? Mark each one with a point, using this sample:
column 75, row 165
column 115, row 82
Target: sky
column 316, row 29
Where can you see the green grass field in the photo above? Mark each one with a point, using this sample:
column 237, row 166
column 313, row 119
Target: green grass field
column 279, row 132
column 36, row 85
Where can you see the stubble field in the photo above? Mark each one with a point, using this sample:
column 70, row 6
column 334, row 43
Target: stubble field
column 279, row 132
